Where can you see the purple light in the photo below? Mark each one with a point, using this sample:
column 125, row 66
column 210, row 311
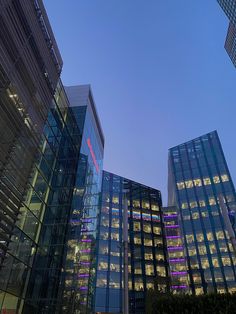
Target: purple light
column 179, row 287
column 85, row 263
column 176, row 260
column 170, row 216
column 84, row 229
column 174, row 273
column 83, row 275
column 87, row 220
column 173, row 248
column 86, row 251
column 83, row 288
column 86, row 240
column 173, row 226
column 173, row 237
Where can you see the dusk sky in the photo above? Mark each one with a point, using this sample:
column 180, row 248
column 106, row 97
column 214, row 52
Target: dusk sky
column 159, row 73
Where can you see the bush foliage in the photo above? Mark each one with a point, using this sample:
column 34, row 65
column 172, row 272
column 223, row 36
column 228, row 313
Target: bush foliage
column 157, row 303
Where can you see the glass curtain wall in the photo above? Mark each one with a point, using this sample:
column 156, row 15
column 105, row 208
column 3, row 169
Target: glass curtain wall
column 147, row 247
column 198, row 175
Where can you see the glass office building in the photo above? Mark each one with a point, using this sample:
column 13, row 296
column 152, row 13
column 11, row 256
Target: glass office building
column 80, row 263
column 198, row 175
column 147, row 246
column 229, row 7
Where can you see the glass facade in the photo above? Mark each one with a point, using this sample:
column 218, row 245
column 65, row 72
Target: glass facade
column 198, row 175
column 147, row 246
column 176, row 252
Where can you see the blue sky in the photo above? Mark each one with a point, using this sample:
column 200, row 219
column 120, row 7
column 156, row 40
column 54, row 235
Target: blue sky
column 159, row 74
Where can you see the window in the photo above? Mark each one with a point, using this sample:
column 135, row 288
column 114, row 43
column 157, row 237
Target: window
column 210, row 236
column 224, row 178
column 184, row 205
column 115, row 236
column 202, row 249
column 160, row 257
column 155, row 207
column 147, row 228
column 136, row 215
column 115, row 267
column 137, row 240
column 137, row 226
column 195, row 215
column 193, row 204
column 150, row 285
column 220, row 235
column 102, row 279
column 207, row 181
column 212, row 201
column 161, row 271
column 200, row 237
column 148, row 256
column 149, row 270
column 202, row 203
column 157, row 241
column 137, row 269
column 197, row 182
column 189, row 184
column 180, row 185
column 192, row 251
column 115, row 223
column 115, row 199
column 216, row 179
column 147, row 242
column 145, row 204
column 205, row 263
column 156, row 230
column 226, row 261
column 197, row 278
column 212, row 248
column 189, row 238
column 136, row 203
column 215, row 262
column 218, row 275
column 138, row 284
column 105, row 221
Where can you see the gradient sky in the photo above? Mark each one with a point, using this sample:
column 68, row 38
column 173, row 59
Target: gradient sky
column 159, row 73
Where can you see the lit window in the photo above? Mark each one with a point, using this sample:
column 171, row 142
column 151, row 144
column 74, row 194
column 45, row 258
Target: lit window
column 105, row 221
column 194, row 264
column 180, row 185
column 232, row 290
column 218, row 276
column 210, row 236
column 205, row 263
column 115, row 223
column 147, row 242
column 160, row 257
column 156, row 230
column 102, row 265
column 115, row 236
column 136, row 214
column 220, row 235
column 189, row 184
column 216, row 179
column 192, row 251
column 157, row 241
column 200, row 237
column 149, row 270
column 193, row 204
column 199, row 291
column 212, row 248
column 115, row 200
column 197, row 278
column 115, row 211
column 215, row 262
column 224, row 178
column 137, row 240
column 155, row 207
column 147, row 228
column 148, row 256
column 184, row 205
column 104, row 235
column 145, row 204
column 189, row 238
column 204, row 214
column 137, row 226
column 161, row 271
column 102, row 279
column 155, row 218
column 226, row 261
column 197, row 182
column 138, row 285
column 202, row 249
column 202, row 203
column 207, row 181
column 136, row 203
column 137, row 269
column 195, row 215
column 150, row 285
column 212, row 201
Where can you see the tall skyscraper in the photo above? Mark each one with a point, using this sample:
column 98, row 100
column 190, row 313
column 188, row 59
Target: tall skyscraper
column 198, row 176
column 147, row 258
column 229, row 7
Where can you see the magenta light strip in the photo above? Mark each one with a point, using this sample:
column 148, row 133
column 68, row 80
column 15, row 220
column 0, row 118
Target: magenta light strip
column 83, row 275
column 173, row 226
column 176, row 260
column 86, row 240
column 179, row 287
column 173, row 237
column 83, row 288
column 173, row 248
column 170, row 216
column 85, row 263
column 178, row 273
column 85, row 251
